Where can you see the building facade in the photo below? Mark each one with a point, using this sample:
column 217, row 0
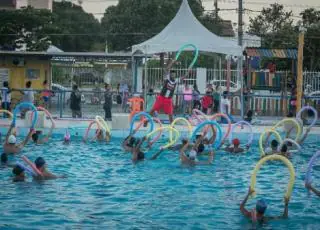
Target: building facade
column 18, row 4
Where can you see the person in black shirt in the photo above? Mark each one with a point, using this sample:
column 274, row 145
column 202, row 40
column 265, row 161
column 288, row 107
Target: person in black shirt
column 75, row 102
column 164, row 100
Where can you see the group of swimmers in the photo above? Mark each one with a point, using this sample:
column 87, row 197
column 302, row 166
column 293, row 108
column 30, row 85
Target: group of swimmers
column 189, row 151
column 11, row 147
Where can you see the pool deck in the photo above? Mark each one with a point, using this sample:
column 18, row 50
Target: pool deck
column 120, row 126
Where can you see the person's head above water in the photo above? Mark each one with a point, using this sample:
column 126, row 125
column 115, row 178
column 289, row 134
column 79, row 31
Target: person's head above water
column 4, row 158
column 201, row 148
column 131, row 142
column 35, row 137
column 192, row 155
column 261, row 206
column 274, row 144
column 236, row 142
column 284, row 148
column 184, row 141
column 67, row 137
column 12, row 140
column 18, row 170
column 40, row 162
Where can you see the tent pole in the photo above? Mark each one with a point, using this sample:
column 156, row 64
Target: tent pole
column 145, row 78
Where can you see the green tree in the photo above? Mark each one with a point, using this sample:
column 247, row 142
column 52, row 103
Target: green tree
column 77, row 30
column 132, row 22
column 311, row 21
column 275, row 26
column 27, row 27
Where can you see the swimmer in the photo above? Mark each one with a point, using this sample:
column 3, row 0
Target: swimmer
column 235, row 148
column 67, row 139
column 258, row 214
column 10, row 146
column 36, row 135
column 191, row 159
column 128, row 143
column 137, row 154
column 311, row 188
column 284, row 151
column 42, row 167
column 19, row 175
column 100, row 136
column 273, row 148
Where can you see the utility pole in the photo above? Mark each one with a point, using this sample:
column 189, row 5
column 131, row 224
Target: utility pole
column 300, row 69
column 216, row 9
column 240, row 37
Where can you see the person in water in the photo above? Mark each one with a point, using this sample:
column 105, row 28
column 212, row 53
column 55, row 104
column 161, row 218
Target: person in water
column 137, row 154
column 101, row 137
column 236, row 147
column 258, row 214
column 41, row 165
column 273, row 148
column 67, row 138
column 311, row 188
column 10, row 145
column 19, row 175
column 128, row 143
column 284, row 151
column 36, row 135
column 191, row 158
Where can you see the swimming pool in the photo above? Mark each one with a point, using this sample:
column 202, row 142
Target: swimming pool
column 104, row 189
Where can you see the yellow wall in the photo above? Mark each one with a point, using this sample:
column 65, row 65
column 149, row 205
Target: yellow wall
column 17, row 74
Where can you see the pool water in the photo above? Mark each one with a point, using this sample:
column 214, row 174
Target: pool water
column 104, row 189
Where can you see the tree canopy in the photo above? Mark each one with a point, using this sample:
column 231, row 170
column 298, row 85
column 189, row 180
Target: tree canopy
column 277, row 29
column 131, row 22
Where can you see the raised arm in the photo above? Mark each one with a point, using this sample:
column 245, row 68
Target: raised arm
column 304, row 136
column 285, row 212
column 243, row 210
column 156, row 155
column 210, row 160
column 213, row 137
column 22, row 144
column 310, row 187
column 182, row 151
column 46, row 138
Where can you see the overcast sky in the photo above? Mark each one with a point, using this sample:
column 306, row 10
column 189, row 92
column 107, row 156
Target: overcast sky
column 98, row 6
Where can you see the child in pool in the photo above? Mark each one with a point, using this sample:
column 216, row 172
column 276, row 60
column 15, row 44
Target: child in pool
column 36, row 135
column 236, row 147
column 10, row 145
column 311, row 188
column 273, row 148
column 191, row 158
column 258, row 214
column 100, row 136
column 284, row 151
column 19, row 175
column 41, row 165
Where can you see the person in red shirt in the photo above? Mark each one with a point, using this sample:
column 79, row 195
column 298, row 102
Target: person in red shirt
column 207, row 103
column 164, row 100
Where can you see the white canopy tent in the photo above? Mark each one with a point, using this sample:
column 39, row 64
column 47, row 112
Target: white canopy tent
column 183, row 29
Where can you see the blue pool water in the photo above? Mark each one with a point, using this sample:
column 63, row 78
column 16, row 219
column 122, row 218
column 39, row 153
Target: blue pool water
column 104, row 189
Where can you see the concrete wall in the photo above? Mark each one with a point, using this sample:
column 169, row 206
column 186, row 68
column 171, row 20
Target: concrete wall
column 18, row 74
column 41, row 4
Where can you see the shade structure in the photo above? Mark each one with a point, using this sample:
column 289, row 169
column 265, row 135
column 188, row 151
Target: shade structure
column 183, row 29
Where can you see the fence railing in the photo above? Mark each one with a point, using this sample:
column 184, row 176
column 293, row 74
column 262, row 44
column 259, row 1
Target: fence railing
column 92, row 103
column 257, row 80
